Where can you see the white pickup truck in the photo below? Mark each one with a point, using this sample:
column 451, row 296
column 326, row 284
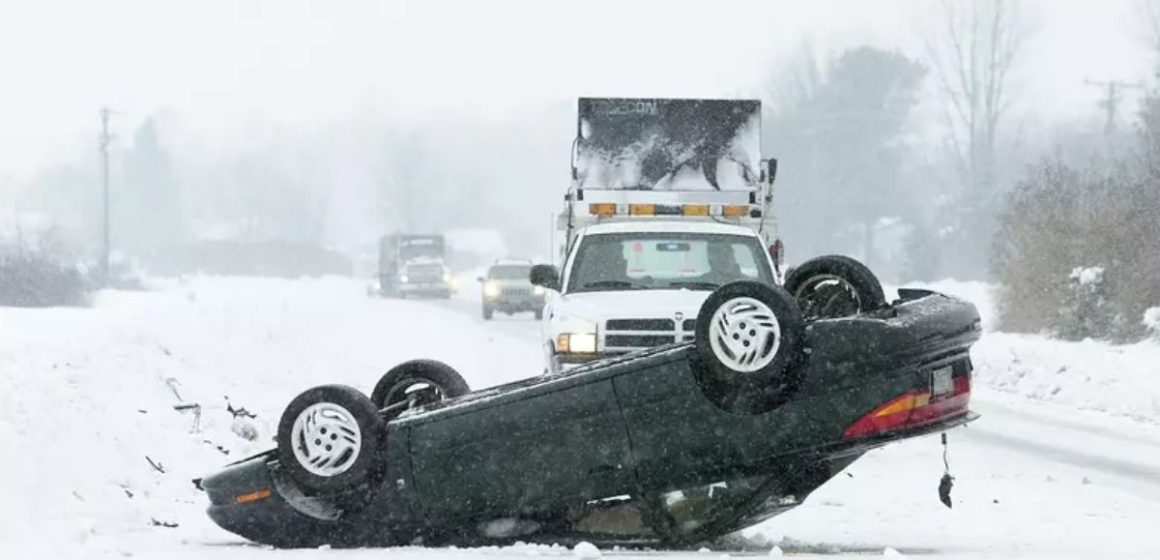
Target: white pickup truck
column 644, row 243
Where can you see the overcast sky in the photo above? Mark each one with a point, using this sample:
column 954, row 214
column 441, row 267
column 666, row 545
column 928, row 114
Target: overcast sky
column 220, row 67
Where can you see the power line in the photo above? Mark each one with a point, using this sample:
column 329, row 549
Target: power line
column 1111, row 99
column 104, row 146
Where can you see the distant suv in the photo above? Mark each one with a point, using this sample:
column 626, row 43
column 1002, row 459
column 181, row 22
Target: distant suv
column 508, row 289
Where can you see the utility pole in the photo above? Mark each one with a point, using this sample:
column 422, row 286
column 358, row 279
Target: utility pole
column 105, row 196
column 1111, row 99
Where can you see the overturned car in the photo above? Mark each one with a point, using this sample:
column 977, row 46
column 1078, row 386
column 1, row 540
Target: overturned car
column 781, row 388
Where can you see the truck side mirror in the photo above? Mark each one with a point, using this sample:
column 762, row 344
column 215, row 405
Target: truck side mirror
column 770, row 170
column 777, row 254
column 545, row 276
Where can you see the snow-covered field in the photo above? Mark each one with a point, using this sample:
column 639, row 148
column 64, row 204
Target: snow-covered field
column 1065, row 462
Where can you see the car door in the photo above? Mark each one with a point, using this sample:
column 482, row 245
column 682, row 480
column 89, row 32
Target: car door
column 680, row 437
column 532, row 449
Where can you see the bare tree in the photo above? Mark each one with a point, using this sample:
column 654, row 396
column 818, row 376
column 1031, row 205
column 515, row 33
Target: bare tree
column 1149, row 11
column 972, row 51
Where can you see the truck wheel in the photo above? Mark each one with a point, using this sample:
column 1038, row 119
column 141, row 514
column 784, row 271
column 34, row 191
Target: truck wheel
column 487, row 312
column 834, row 286
column 418, row 382
column 747, row 339
column 539, row 312
column 329, row 439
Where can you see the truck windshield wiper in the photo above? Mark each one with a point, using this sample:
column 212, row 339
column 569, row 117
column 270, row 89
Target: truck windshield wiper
column 613, row 284
column 695, row 285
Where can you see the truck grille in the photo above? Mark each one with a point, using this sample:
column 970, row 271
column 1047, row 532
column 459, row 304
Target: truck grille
column 516, row 291
column 640, row 325
column 425, row 273
column 637, row 334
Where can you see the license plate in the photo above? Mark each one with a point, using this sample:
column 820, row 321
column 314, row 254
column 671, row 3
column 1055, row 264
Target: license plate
column 941, row 383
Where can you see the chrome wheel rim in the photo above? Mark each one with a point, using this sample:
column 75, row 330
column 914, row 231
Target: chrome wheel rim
column 327, row 439
column 828, row 296
column 414, row 391
column 744, row 334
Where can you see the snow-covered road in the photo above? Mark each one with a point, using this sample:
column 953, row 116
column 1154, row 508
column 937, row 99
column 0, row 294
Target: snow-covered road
column 87, row 397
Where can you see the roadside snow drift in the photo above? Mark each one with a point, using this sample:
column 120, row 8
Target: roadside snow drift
column 88, row 396
column 1118, row 379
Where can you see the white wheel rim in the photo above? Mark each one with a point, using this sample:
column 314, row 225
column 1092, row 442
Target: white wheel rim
column 326, row 439
column 744, row 334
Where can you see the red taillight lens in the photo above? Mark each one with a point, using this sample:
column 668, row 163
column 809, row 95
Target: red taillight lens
column 913, row 409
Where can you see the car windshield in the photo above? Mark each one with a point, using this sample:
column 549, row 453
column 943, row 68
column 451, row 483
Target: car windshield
column 509, row 272
column 665, row 261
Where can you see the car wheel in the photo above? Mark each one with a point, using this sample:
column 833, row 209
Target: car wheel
column 747, row 341
column 488, row 312
column 416, row 383
column 329, row 439
column 834, row 286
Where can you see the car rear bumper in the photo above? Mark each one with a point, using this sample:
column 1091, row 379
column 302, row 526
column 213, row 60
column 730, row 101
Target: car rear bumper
column 860, row 445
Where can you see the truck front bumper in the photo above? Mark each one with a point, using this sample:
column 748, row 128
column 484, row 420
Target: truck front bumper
column 435, row 289
column 508, row 304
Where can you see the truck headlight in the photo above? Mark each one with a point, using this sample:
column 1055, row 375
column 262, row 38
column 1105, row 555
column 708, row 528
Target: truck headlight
column 402, row 277
column 578, row 343
column 490, row 290
column 538, row 290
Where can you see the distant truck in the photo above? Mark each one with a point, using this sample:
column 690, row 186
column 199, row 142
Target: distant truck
column 669, row 200
column 506, row 288
column 413, row 265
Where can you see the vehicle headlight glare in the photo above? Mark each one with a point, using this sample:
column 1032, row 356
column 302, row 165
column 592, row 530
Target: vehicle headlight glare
column 402, row 277
column 578, row 343
column 491, row 289
column 538, row 290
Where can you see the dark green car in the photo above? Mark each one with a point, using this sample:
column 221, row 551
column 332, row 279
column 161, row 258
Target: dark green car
column 781, row 389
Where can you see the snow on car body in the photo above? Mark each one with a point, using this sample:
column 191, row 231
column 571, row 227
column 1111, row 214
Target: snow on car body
column 669, row 200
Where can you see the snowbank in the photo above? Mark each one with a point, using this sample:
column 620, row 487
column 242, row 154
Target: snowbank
column 88, row 395
column 1092, row 375
column 1152, row 321
column 1117, row 379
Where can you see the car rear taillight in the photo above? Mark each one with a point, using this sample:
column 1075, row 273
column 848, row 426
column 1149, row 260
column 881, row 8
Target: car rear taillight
column 913, row 409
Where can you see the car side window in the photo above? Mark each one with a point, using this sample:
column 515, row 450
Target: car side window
column 746, row 261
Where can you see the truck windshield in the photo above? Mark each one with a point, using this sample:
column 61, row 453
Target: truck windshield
column 665, row 261
column 410, row 251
